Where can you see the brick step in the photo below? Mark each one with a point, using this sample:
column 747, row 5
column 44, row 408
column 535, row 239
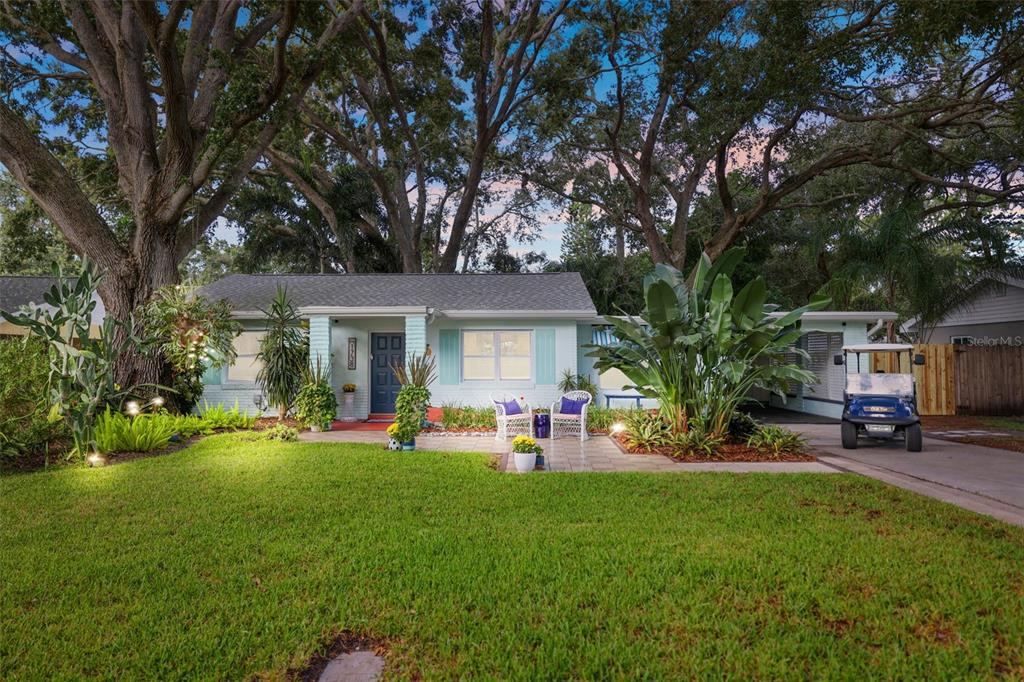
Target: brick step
column 380, row 417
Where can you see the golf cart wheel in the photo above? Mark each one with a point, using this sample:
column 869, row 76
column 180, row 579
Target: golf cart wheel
column 849, row 432
column 914, row 438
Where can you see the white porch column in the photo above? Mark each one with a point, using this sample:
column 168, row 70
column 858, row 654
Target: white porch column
column 415, row 334
column 320, row 342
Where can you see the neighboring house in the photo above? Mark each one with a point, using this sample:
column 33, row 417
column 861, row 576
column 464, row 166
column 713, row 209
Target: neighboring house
column 19, row 293
column 490, row 334
column 993, row 318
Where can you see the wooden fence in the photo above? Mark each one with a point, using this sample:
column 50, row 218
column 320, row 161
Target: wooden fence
column 964, row 379
column 936, row 378
column 989, row 380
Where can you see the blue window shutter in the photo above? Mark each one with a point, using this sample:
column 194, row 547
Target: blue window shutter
column 545, row 356
column 449, row 356
column 211, row 377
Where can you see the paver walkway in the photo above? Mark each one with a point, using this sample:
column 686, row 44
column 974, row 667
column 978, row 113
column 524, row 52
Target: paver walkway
column 599, row 454
column 986, row 480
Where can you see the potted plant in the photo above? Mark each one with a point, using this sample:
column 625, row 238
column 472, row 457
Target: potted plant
column 349, row 394
column 315, row 404
column 393, row 433
column 409, row 413
column 525, row 451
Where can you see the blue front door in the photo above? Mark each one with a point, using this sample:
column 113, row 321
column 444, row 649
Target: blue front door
column 386, row 350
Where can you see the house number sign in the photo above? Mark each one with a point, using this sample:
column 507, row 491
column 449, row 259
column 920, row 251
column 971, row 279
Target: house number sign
column 351, row 352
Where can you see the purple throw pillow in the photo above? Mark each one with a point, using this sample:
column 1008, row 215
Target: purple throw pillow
column 512, row 407
column 571, row 406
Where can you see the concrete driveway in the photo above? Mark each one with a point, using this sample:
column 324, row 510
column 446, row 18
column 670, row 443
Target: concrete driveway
column 987, row 480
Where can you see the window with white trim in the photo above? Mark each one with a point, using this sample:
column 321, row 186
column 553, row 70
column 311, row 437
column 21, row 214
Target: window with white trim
column 497, row 355
column 246, row 366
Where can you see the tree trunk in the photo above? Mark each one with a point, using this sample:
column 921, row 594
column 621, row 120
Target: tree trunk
column 124, row 291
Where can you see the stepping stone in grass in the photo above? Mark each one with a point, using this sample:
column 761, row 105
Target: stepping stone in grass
column 357, row 666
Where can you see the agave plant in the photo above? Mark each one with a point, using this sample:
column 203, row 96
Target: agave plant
column 418, row 370
column 699, row 349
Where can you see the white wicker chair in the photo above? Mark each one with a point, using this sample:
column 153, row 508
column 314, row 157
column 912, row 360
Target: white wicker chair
column 512, row 424
column 571, row 424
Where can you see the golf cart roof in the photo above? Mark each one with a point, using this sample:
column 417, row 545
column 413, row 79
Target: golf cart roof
column 877, row 348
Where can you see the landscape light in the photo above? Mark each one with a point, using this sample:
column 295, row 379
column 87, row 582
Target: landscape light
column 618, row 427
column 158, row 401
column 132, row 407
column 96, row 460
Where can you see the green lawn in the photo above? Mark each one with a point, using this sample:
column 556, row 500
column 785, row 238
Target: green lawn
column 232, row 559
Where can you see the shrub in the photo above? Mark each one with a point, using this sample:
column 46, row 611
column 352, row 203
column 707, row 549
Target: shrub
column 188, row 425
column 81, row 372
column 742, row 426
column 24, row 427
column 698, row 441
column 777, row 441
column 281, row 432
column 193, row 335
column 316, row 404
column 647, row 430
column 217, row 418
column 142, row 433
column 602, row 418
column 577, row 382
column 463, row 417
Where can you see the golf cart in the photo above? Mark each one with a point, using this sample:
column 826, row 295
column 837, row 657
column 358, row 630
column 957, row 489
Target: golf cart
column 877, row 404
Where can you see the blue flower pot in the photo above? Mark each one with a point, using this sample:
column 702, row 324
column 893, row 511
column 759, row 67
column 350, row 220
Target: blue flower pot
column 409, row 445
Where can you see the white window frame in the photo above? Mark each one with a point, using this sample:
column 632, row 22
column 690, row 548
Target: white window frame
column 225, row 379
column 497, row 353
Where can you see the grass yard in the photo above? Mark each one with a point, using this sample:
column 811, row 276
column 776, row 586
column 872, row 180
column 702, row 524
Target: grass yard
column 231, row 560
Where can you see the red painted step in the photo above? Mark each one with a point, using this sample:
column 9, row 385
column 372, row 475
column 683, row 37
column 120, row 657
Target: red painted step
column 381, row 417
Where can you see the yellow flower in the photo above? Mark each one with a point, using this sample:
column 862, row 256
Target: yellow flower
column 393, row 430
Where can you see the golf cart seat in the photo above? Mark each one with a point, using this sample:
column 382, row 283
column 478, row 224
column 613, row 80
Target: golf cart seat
column 880, row 384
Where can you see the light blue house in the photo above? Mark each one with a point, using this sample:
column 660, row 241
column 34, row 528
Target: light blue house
column 489, row 333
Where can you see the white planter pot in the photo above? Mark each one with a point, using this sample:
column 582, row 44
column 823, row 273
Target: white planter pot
column 525, row 461
column 315, row 428
column 349, row 403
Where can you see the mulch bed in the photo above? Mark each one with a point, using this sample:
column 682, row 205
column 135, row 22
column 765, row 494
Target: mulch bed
column 264, row 423
column 1012, row 444
column 730, row 452
column 37, row 462
column 344, row 642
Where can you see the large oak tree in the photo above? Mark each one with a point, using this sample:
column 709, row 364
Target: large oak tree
column 749, row 103
column 132, row 123
column 423, row 107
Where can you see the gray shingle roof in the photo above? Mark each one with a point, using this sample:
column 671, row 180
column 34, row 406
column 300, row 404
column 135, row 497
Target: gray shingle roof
column 541, row 292
column 17, row 291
